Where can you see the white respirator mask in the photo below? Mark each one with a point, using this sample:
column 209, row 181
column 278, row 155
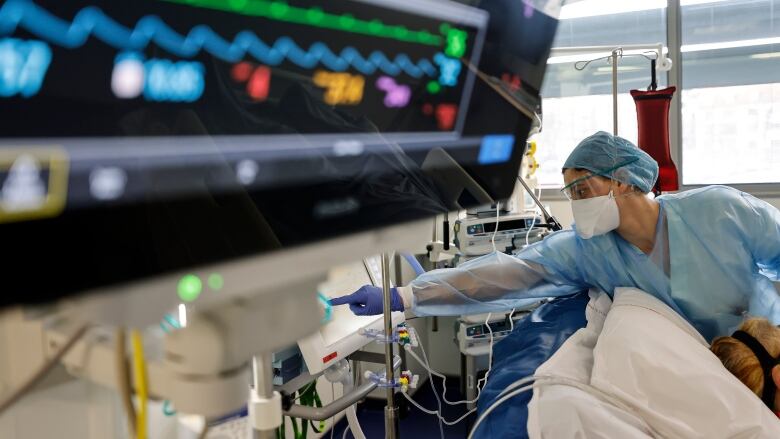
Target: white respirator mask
column 595, row 216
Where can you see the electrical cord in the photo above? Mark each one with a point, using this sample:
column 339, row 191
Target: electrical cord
column 124, row 383
column 141, row 384
column 42, row 371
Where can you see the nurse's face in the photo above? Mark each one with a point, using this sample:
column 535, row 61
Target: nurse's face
column 582, row 184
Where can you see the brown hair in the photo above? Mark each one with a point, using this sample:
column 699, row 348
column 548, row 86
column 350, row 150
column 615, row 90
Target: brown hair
column 740, row 360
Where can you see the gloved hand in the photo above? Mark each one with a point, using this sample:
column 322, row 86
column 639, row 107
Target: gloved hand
column 367, row 301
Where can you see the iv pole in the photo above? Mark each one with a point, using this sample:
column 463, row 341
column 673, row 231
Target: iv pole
column 616, row 52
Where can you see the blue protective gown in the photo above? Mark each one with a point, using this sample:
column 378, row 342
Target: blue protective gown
column 724, row 247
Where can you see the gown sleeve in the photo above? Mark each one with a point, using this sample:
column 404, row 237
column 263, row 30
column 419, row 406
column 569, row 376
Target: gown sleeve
column 761, row 231
column 497, row 282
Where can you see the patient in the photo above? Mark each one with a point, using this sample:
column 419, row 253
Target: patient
column 752, row 354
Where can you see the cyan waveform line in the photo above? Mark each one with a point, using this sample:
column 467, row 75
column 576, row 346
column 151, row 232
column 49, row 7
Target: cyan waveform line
column 91, row 21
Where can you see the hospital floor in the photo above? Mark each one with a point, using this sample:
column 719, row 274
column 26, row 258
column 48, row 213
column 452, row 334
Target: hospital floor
column 414, row 423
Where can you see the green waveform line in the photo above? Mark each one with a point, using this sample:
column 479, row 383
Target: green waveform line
column 281, row 11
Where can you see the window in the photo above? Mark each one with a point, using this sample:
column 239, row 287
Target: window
column 576, row 103
column 731, row 97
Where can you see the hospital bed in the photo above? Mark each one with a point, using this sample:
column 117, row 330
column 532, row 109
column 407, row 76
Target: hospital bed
column 534, row 340
column 641, row 371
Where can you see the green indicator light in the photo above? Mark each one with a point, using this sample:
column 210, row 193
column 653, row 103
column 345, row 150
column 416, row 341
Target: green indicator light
column 456, row 43
column 375, row 26
column 434, row 87
column 279, row 9
column 216, row 281
column 189, row 288
column 315, row 15
column 347, row 21
column 444, row 28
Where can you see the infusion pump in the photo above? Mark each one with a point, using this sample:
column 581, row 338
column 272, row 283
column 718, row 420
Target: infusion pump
column 474, row 235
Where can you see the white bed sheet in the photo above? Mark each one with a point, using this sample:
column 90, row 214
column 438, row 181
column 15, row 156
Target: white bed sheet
column 640, row 351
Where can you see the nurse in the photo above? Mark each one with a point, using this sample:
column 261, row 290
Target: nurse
column 708, row 253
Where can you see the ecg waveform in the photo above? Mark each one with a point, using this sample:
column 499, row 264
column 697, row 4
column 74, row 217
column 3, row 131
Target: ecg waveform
column 91, row 21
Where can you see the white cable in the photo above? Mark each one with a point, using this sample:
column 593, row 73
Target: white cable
column 511, row 321
column 490, row 355
column 437, row 413
column 424, row 363
column 305, row 389
column 554, row 380
column 533, row 222
column 332, row 418
column 495, row 230
column 520, row 382
column 528, row 232
column 495, row 405
column 343, row 436
column 435, row 393
column 347, row 384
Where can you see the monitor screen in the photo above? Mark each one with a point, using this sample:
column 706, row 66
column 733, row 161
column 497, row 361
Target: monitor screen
column 142, row 137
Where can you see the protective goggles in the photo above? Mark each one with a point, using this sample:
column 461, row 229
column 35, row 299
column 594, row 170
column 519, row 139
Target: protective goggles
column 584, row 187
column 767, row 364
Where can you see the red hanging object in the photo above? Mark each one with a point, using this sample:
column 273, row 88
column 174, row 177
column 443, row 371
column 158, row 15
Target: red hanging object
column 652, row 114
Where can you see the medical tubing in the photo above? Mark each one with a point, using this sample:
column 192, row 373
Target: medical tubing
column 490, row 354
column 348, row 383
column 427, row 366
column 519, row 383
column 495, row 228
column 557, row 380
column 511, row 322
column 495, row 405
column 528, row 232
column 436, row 412
column 333, row 418
column 433, row 387
column 443, row 377
column 435, row 393
column 414, row 263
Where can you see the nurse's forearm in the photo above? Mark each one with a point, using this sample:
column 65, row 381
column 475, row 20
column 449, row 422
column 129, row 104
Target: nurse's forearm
column 492, row 283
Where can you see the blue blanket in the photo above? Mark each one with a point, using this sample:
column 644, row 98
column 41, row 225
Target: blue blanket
column 534, row 340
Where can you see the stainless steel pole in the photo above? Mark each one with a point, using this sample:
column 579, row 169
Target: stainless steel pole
column 615, row 90
column 262, row 371
column 391, row 411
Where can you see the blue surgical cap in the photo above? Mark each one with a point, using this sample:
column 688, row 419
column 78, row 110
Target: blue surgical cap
column 616, row 158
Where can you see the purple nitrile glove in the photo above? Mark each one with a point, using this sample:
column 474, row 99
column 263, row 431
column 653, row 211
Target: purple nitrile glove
column 367, row 301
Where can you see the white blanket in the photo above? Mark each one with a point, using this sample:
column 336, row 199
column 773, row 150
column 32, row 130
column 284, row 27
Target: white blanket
column 641, row 352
